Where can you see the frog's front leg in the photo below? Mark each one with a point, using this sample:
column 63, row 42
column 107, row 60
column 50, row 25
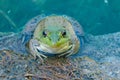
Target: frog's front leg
column 34, row 47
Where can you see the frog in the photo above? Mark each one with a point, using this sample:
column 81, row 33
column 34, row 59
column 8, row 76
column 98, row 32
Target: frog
column 48, row 35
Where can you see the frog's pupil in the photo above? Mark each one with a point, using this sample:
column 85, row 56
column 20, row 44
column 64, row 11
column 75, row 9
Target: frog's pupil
column 44, row 34
column 63, row 33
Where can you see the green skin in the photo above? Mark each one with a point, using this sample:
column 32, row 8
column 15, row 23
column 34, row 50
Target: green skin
column 53, row 37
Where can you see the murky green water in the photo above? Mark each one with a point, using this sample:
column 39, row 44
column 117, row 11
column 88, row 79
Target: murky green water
column 96, row 16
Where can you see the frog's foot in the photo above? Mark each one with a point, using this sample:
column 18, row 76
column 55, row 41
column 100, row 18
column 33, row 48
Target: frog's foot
column 68, row 53
column 34, row 47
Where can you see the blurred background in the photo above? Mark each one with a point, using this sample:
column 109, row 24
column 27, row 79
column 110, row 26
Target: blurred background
column 96, row 16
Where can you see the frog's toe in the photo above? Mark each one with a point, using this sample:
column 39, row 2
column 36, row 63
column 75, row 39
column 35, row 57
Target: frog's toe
column 66, row 54
column 40, row 56
column 36, row 54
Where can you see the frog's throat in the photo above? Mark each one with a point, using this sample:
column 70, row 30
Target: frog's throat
column 50, row 51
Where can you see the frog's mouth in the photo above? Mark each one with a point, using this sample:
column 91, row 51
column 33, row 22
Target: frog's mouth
column 54, row 49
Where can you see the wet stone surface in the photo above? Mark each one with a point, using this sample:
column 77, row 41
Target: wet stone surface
column 18, row 67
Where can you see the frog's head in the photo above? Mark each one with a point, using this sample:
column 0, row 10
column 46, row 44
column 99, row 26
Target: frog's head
column 54, row 36
column 55, row 33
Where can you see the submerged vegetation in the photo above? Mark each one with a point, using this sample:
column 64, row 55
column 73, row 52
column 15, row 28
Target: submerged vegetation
column 8, row 19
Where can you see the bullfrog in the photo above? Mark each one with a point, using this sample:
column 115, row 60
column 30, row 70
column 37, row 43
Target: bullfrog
column 44, row 36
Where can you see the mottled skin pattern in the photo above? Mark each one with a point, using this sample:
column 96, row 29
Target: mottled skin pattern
column 17, row 42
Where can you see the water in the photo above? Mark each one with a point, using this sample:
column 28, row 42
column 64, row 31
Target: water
column 96, row 16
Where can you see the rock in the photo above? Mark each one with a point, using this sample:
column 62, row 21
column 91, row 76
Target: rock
column 99, row 60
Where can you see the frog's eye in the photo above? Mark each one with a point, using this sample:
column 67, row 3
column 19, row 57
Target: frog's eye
column 63, row 33
column 44, row 33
